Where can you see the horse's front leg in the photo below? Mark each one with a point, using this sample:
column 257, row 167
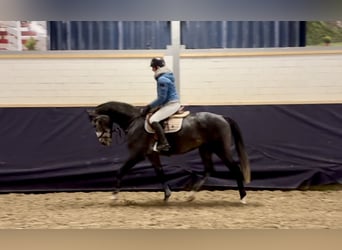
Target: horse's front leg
column 131, row 162
column 197, row 186
column 155, row 161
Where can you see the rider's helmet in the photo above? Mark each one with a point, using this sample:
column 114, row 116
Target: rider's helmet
column 157, row 62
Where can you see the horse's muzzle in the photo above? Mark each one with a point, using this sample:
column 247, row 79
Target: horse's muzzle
column 105, row 141
column 104, row 138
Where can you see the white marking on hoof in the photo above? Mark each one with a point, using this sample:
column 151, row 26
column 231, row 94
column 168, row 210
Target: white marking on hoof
column 114, row 197
column 244, row 200
column 191, row 196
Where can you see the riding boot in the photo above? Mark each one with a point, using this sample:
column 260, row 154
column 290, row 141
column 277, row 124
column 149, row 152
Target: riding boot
column 163, row 144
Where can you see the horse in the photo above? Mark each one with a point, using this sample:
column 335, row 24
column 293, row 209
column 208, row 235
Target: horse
column 208, row 132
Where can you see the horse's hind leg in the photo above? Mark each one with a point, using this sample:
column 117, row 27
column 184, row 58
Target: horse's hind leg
column 206, row 156
column 155, row 160
column 235, row 168
column 236, row 171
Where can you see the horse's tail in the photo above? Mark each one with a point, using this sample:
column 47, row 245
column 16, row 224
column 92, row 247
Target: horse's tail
column 240, row 148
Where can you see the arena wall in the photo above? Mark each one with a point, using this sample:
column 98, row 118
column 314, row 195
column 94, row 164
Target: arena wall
column 287, row 102
column 216, row 77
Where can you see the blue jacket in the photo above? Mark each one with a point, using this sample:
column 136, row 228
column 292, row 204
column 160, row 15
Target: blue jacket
column 166, row 88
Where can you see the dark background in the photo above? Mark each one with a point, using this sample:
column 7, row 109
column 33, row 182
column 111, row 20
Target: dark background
column 56, row 149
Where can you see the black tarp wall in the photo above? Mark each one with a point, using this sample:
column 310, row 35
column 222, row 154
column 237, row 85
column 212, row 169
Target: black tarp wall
column 56, row 149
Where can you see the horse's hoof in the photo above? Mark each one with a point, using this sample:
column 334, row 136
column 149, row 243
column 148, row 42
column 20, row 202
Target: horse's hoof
column 167, row 193
column 166, row 197
column 244, row 200
column 114, row 197
column 191, row 197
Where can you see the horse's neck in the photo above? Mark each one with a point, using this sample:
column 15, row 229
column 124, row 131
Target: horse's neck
column 136, row 124
column 124, row 120
column 122, row 114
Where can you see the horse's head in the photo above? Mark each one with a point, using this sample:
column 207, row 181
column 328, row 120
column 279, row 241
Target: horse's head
column 103, row 127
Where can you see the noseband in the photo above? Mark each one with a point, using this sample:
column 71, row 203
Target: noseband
column 108, row 134
column 105, row 133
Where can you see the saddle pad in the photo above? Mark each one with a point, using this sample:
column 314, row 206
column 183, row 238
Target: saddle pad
column 171, row 125
column 181, row 114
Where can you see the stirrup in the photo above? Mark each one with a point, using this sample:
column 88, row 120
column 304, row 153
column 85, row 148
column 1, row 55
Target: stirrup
column 164, row 147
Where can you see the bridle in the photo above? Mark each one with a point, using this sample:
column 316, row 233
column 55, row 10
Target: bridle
column 106, row 133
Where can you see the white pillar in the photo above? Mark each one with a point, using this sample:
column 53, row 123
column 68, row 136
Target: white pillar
column 19, row 41
column 174, row 51
column 175, row 33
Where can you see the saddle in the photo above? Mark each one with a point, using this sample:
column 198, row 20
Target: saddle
column 171, row 124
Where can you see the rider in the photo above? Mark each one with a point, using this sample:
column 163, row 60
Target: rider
column 167, row 100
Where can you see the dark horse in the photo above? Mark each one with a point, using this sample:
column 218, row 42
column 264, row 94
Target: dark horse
column 210, row 133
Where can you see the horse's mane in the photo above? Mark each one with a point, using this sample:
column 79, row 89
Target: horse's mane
column 117, row 107
column 120, row 113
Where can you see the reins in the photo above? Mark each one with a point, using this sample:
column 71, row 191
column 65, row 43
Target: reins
column 120, row 132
